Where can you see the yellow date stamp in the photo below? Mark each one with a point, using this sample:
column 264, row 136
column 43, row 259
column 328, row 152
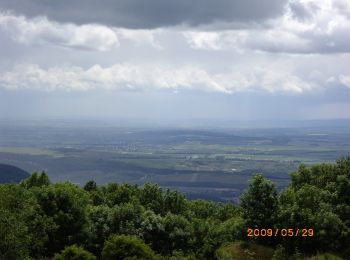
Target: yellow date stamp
column 283, row 232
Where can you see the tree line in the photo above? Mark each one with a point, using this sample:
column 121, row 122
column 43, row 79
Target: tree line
column 44, row 220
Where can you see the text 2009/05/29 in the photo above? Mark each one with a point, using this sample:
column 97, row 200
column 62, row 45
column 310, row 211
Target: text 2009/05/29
column 284, row 232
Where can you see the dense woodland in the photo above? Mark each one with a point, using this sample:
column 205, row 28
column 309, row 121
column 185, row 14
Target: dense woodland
column 44, row 220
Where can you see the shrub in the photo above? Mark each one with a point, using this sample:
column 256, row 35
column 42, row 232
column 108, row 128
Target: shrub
column 124, row 246
column 74, row 253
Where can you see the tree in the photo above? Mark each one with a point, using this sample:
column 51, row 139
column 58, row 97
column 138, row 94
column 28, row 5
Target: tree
column 36, row 180
column 153, row 230
column 210, row 234
column 319, row 196
column 65, row 204
column 90, row 186
column 74, row 252
column 208, row 209
column 179, row 234
column 124, row 246
column 310, row 207
column 21, row 223
column 202, row 209
column 99, row 227
column 174, row 202
column 151, row 197
column 260, row 203
column 119, row 194
column 14, row 237
column 126, row 219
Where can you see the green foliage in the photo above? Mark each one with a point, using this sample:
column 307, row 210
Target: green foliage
column 178, row 233
column 22, row 223
column 36, row 180
column 227, row 211
column 126, row 218
column 74, row 253
column 99, row 228
column 65, row 205
column 118, row 194
column 319, row 197
column 153, row 230
column 307, row 207
column 90, row 186
column 202, row 209
column 126, row 247
column 39, row 219
column 174, row 202
column 14, row 240
column 151, row 197
column 260, row 203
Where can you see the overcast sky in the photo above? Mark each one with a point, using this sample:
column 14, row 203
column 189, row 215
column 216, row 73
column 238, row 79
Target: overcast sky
column 175, row 59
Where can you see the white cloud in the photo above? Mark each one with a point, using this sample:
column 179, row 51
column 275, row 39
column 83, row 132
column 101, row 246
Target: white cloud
column 42, row 31
column 261, row 63
column 323, row 27
column 119, row 76
column 150, row 77
column 343, row 6
column 204, row 40
column 269, row 40
column 307, row 26
column 140, row 37
column 345, row 80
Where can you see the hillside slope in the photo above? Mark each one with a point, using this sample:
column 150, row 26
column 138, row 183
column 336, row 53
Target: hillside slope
column 12, row 174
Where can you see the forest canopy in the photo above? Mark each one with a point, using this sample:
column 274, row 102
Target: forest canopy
column 40, row 220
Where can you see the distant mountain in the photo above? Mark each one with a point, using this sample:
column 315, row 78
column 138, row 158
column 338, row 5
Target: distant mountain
column 12, row 174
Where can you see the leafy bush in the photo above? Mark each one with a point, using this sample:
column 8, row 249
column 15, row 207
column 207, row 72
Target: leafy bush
column 123, row 246
column 74, row 253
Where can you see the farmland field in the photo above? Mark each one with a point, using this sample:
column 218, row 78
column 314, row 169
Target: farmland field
column 203, row 163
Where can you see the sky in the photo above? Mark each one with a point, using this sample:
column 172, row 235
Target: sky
column 175, row 60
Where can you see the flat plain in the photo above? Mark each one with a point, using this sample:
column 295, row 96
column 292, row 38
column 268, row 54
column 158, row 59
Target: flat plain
column 210, row 163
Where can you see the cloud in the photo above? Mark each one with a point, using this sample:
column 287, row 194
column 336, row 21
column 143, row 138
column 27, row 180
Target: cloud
column 116, row 77
column 306, row 27
column 273, row 40
column 206, row 40
column 148, row 77
column 140, row 37
column 148, row 14
column 238, row 60
column 40, row 30
column 345, row 80
column 302, row 11
column 342, row 6
column 302, row 27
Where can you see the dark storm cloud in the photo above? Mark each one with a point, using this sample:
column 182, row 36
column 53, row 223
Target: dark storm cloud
column 148, row 13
